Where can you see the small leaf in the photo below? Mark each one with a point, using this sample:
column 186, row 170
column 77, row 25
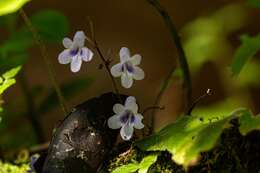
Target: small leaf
column 129, row 168
column 11, row 73
column 248, row 122
column 9, row 79
column 52, row 25
column 254, row 3
column 10, row 6
column 250, row 46
column 146, row 163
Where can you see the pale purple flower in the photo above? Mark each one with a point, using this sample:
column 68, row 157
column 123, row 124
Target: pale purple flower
column 75, row 52
column 127, row 68
column 127, row 118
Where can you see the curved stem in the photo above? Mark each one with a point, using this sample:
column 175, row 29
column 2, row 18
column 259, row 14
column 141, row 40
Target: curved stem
column 47, row 61
column 187, row 85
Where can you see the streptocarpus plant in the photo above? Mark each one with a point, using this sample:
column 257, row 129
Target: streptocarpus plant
column 86, row 137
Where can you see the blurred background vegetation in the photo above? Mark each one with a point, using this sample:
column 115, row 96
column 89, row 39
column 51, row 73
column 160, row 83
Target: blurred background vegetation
column 217, row 35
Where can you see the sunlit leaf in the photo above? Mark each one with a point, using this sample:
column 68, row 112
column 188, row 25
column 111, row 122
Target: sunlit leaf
column 129, row 168
column 51, row 25
column 146, row 163
column 8, row 79
column 68, row 89
column 189, row 136
column 254, row 3
column 249, row 47
column 142, row 167
column 10, row 6
column 248, row 122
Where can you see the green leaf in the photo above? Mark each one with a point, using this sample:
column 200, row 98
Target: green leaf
column 10, row 6
column 142, row 167
column 129, row 168
column 18, row 42
column 254, row 3
column 250, row 46
column 189, row 136
column 248, row 122
column 68, row 89
column 146, row 163
column 8, row 79
column 52, row 25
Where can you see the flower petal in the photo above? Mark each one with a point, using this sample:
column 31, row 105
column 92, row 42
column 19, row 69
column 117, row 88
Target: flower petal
column 86, row 54
column 79, row 39
column 138, row 121
column 124, row 54
column 138, row 73
column 67, row 43
column 114, row 122
column 75, row 64
column 64, row 57
column 130, row 104
column 127, row 131
column 126, row 80
column 116, row 70
column 136, row 59
column 118, row 108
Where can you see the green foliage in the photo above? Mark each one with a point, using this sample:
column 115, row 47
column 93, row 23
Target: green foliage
column 205, row 39
column 10, row 6
column 7, row 79
column 10, row 168
column 248, row 122
column 52, row 25
column 250, row 46
column 142, row 167
column 190, row 136
column 254, row 3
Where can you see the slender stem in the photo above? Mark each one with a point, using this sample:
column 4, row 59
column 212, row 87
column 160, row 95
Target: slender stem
column 105, row 63
column 48, row 63
column 187, row 85
column 102, row 57
column 207, row 93
column 31, row 111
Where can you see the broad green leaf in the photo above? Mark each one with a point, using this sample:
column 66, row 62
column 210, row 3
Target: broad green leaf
column 189, row 136
column 249, row 47
column 52, row 25
column 248, row 122
column 8, row 79
column 68, row 89
column 146, row 163
column 129, row 168
column 10, row 6
column 254, row 3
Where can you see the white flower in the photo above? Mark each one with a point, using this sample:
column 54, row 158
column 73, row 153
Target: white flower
column 75, row 52
column 127, row 68
column 127, row 118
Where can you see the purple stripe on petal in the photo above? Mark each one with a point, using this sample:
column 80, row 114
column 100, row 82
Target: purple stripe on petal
column 127, row 67
column 74, row 52
column 127, row 117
